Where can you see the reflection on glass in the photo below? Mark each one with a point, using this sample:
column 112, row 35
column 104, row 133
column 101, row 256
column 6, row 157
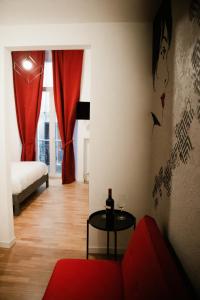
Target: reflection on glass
column 43, row 131
column 43, row 151
column 58, row 149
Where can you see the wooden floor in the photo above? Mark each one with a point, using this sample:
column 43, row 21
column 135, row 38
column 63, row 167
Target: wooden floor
column 51, row 226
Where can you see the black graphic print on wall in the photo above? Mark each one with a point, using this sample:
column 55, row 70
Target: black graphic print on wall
column 180, row 154
column 195, row 11
column 162, row 35
column 198, row 110
column 196, row 67
column 184, row 144
column 155, row 120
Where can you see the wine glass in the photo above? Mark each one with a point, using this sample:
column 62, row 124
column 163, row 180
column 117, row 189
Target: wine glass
column 121, row 206
column 104, row 215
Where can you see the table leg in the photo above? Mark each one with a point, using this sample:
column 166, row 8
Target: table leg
column 107, row 243
column 115, row 245
column 87, row 239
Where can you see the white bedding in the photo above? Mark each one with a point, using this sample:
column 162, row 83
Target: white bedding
column 24, row 173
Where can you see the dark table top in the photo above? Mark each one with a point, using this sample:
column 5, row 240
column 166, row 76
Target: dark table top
column 99, row 221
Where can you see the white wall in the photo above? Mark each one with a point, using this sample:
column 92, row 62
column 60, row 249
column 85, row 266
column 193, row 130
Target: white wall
column 120, row 123
column 121, row 90
column 6, row 220
column 82, row 127
column 15, row 147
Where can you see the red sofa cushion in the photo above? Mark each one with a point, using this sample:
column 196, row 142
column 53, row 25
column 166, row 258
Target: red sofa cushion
column 148, row 269
column 171, row 273
column 79, row 279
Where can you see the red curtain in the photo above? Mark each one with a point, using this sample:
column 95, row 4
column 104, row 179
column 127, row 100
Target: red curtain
column 28, row 69
column 67, row 69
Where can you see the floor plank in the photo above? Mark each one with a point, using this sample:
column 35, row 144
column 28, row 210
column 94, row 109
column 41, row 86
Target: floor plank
column 52, row 225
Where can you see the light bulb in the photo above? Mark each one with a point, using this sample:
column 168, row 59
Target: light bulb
column 27, row 64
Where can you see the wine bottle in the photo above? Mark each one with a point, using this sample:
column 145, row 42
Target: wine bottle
column 110, row 201
column 109, row 207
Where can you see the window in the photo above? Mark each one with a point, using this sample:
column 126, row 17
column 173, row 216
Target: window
column 43, row 137
column 49, row 146
column 58, row 149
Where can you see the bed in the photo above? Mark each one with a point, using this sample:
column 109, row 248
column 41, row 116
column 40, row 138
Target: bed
column 26, row 177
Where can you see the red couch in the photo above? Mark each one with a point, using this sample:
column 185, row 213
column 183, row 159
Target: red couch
column 147, row 272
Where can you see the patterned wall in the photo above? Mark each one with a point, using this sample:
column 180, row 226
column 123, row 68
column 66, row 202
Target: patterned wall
column 176, row 144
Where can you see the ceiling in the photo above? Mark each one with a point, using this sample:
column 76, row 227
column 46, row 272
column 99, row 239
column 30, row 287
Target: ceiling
column 14, row 12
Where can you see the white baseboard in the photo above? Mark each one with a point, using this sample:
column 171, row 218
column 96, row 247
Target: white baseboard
column 7, row 244
column 103, row 250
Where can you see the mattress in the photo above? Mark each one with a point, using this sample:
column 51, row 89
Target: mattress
column 24, row 173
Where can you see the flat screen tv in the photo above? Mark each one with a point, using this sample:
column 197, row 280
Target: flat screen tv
column 83, row 111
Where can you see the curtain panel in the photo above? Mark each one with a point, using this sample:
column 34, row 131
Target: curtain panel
column 67, row 70
column 28, row 69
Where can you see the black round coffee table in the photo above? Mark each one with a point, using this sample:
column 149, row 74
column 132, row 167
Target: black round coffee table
column 121, row 220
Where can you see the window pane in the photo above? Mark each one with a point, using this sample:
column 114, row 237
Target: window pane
column 57, row 133
column 58, row 149
column 43, row 129
column 43, row 151
column 48, row 75
column 44, row 111
column 59, row 155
